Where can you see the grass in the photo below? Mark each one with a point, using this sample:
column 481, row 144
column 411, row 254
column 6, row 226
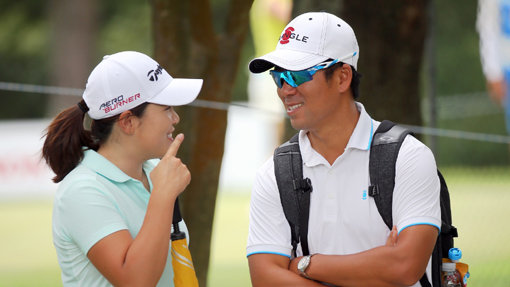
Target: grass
column 480, row 206
column 27, row 257
column 229, row 266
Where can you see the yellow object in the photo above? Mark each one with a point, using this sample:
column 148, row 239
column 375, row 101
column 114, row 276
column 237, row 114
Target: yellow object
column 267, row 20
column 184, row 272
column 463, row 269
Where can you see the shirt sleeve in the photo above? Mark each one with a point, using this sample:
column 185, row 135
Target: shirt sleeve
column 86, row 214
column 269, row 231
column 416, row 199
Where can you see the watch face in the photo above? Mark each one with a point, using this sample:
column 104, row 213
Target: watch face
column 303, row 263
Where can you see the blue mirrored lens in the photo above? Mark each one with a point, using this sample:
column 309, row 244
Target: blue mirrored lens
column 277, row 77
column 301, row 77
column 293, row 78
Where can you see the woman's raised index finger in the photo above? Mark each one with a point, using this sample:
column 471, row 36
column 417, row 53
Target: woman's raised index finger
column 174, row 147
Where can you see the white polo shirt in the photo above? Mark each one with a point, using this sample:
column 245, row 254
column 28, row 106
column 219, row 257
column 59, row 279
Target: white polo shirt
column 343, row 218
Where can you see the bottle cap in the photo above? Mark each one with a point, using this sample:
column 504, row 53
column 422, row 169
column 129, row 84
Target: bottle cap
column 448, row 267
column 454, row 254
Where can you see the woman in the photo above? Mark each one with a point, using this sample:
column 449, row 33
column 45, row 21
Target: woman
column 113, row 209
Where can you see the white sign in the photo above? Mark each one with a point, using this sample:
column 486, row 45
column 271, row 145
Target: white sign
column 23, row 173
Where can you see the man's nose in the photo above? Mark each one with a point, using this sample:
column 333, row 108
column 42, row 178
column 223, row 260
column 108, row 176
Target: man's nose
column 286, row 87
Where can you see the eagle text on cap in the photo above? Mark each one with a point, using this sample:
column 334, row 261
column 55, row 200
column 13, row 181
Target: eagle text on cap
column 289, row 34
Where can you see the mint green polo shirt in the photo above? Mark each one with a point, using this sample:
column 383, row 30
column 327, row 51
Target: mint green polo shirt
column 93, row 201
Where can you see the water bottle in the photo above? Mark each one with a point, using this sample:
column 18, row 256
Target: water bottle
column 450, row 276
column 455, row 254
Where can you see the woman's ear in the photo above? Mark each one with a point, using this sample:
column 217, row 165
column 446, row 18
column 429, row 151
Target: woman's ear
column 127, row 122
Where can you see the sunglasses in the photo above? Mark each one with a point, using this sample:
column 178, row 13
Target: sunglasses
column 296, row 78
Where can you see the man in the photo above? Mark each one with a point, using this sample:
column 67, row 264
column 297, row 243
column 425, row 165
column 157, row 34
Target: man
column 493, row 25
column 315, row 64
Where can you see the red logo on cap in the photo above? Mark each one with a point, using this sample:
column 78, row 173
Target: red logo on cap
column 286, row 35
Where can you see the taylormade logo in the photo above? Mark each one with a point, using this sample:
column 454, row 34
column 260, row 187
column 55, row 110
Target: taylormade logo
column 289, row 34
column 153, row 74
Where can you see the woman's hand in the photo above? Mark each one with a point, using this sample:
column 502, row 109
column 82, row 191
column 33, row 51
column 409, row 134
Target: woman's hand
column 171, row 175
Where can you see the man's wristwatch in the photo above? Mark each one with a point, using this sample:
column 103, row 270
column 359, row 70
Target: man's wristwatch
column 303, row 263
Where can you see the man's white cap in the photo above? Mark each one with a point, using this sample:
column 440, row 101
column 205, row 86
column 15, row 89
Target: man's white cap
column 308, row 40
column 127, row 79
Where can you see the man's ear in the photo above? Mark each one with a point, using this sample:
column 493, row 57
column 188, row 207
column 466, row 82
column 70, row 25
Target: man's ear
column 127, row 122
column 345, row 77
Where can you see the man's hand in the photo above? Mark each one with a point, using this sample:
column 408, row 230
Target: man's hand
column 392, row 238
column 390, row 242
column 273, row 270
column 497, row 91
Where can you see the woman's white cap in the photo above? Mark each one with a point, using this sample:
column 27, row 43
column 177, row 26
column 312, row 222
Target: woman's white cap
column 308, row 40
column 127, row 79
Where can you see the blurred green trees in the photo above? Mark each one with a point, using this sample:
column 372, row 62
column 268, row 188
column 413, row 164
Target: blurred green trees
column 25, row 45
column 23, row 55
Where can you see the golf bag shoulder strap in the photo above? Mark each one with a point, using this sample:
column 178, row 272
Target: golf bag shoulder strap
column 294, row 191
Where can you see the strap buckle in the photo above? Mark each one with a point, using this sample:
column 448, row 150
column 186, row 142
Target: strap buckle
column 303, row 184
column 373, row 190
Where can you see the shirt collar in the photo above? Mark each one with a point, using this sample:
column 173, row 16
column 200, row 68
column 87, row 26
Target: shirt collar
column 361, row 139
column 104, row 167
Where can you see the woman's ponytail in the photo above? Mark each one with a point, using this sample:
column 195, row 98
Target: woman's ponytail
column 65, row 139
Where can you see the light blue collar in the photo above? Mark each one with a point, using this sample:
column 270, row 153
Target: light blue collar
column 106, row 168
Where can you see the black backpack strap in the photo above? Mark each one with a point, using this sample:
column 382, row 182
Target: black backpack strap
column 386, row 143
column 424, row 281
column 448, row 232
column 445, row 239
column 294, row 191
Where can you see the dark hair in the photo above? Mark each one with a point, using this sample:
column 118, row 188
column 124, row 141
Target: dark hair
column 355, row 77
column 66, row 138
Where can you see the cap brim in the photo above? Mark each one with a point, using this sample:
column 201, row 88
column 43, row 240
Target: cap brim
column 287, row 59
column 179, row 92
